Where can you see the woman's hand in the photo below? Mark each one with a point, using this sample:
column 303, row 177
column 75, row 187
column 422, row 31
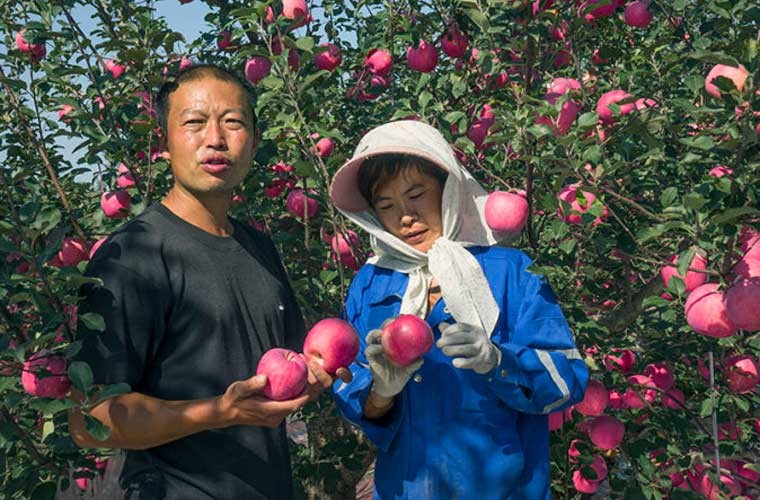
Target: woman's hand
column 469, row 346
column 389, row 379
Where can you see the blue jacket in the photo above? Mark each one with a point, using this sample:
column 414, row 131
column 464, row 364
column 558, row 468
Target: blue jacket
column 453, row 433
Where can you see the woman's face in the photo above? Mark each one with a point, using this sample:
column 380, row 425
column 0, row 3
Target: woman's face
column 409, row 207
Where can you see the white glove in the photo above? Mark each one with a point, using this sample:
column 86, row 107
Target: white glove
column 469, row 346
column 389, row 379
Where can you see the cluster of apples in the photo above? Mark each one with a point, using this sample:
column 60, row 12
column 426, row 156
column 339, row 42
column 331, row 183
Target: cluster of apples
column 715, row 313
column 334, row 343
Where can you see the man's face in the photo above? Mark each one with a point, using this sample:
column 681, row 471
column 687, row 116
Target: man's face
column 210, row 137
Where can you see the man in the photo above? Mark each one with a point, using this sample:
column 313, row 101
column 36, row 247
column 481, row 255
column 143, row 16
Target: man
column 191, row 300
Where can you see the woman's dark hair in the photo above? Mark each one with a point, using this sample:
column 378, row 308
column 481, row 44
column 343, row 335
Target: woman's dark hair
column 377, row 170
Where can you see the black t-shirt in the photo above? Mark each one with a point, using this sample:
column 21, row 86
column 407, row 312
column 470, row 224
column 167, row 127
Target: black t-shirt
column 187, row 313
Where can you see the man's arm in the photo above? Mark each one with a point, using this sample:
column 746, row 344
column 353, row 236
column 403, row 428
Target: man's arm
column 138, row 421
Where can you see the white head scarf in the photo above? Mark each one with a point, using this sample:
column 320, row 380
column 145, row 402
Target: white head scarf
column 463, row 284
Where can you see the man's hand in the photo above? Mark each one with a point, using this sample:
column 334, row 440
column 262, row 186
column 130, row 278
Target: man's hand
column 244, row 404
column 388, row 378
column 319, row 380
column 469, row 346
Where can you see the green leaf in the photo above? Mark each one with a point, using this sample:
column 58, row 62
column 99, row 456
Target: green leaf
column 113, row 390
column 93, row 321
column 6, row 246
column 305, row 43
column 96, row 428
column 741, row 403
column 453, row 116
column 81, row 376
column 684, row 260
column 478, row 18
column 539, row 131
column 693, row 201
column 694, row 83
column 592, row 154
column 48, row 427
column 588, row 119
column 424, row 99
column 732, row 214
column 669, row 196
column 7, row 383
column 306, row 83
column 51, row 406
column 701, row 142
column 714, row 57
column 706, row 408
column 676, row 286
column 567, row 245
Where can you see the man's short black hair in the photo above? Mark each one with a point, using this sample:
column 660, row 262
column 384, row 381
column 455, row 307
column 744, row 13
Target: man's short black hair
column 198, row 72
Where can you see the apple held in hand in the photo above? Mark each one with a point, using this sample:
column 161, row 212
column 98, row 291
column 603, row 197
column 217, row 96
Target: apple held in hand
column 333, row 342
column 286, row 373
column 406, row 338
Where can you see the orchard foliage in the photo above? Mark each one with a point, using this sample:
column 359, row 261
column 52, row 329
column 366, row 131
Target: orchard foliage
column 630, row 157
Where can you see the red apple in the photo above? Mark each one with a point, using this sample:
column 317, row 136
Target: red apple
column 631, row 396
column 594, row 400
column 624, row 363
column 329, row 59
column 406, row 338
column 706, row 312
column 637, row 14
column 719, row 171
column 587, row 485
column 613, row 97
column 742, row 373
column 294, row 9
column 114, row 68
column 477, row 132
column 606, row 432
column 507, row 212
column 286, row 373
column 125, row 178
column 257, row 68
column 297, row 206
column 97, row 245
column 673, row 399
column 693, row 278
column 712, row 492
column 325, row 147
column 569, row 194
column 454, row 42
column 661, row 374
column 115, row 204
column 743, row 304
column 44, row 376
column 379, row 62
column 333, row 342
column 748, row 267
column 72, row 252
column 424, row 58
column 737, row 75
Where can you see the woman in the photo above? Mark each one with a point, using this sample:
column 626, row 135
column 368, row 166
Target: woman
column 468, row 420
